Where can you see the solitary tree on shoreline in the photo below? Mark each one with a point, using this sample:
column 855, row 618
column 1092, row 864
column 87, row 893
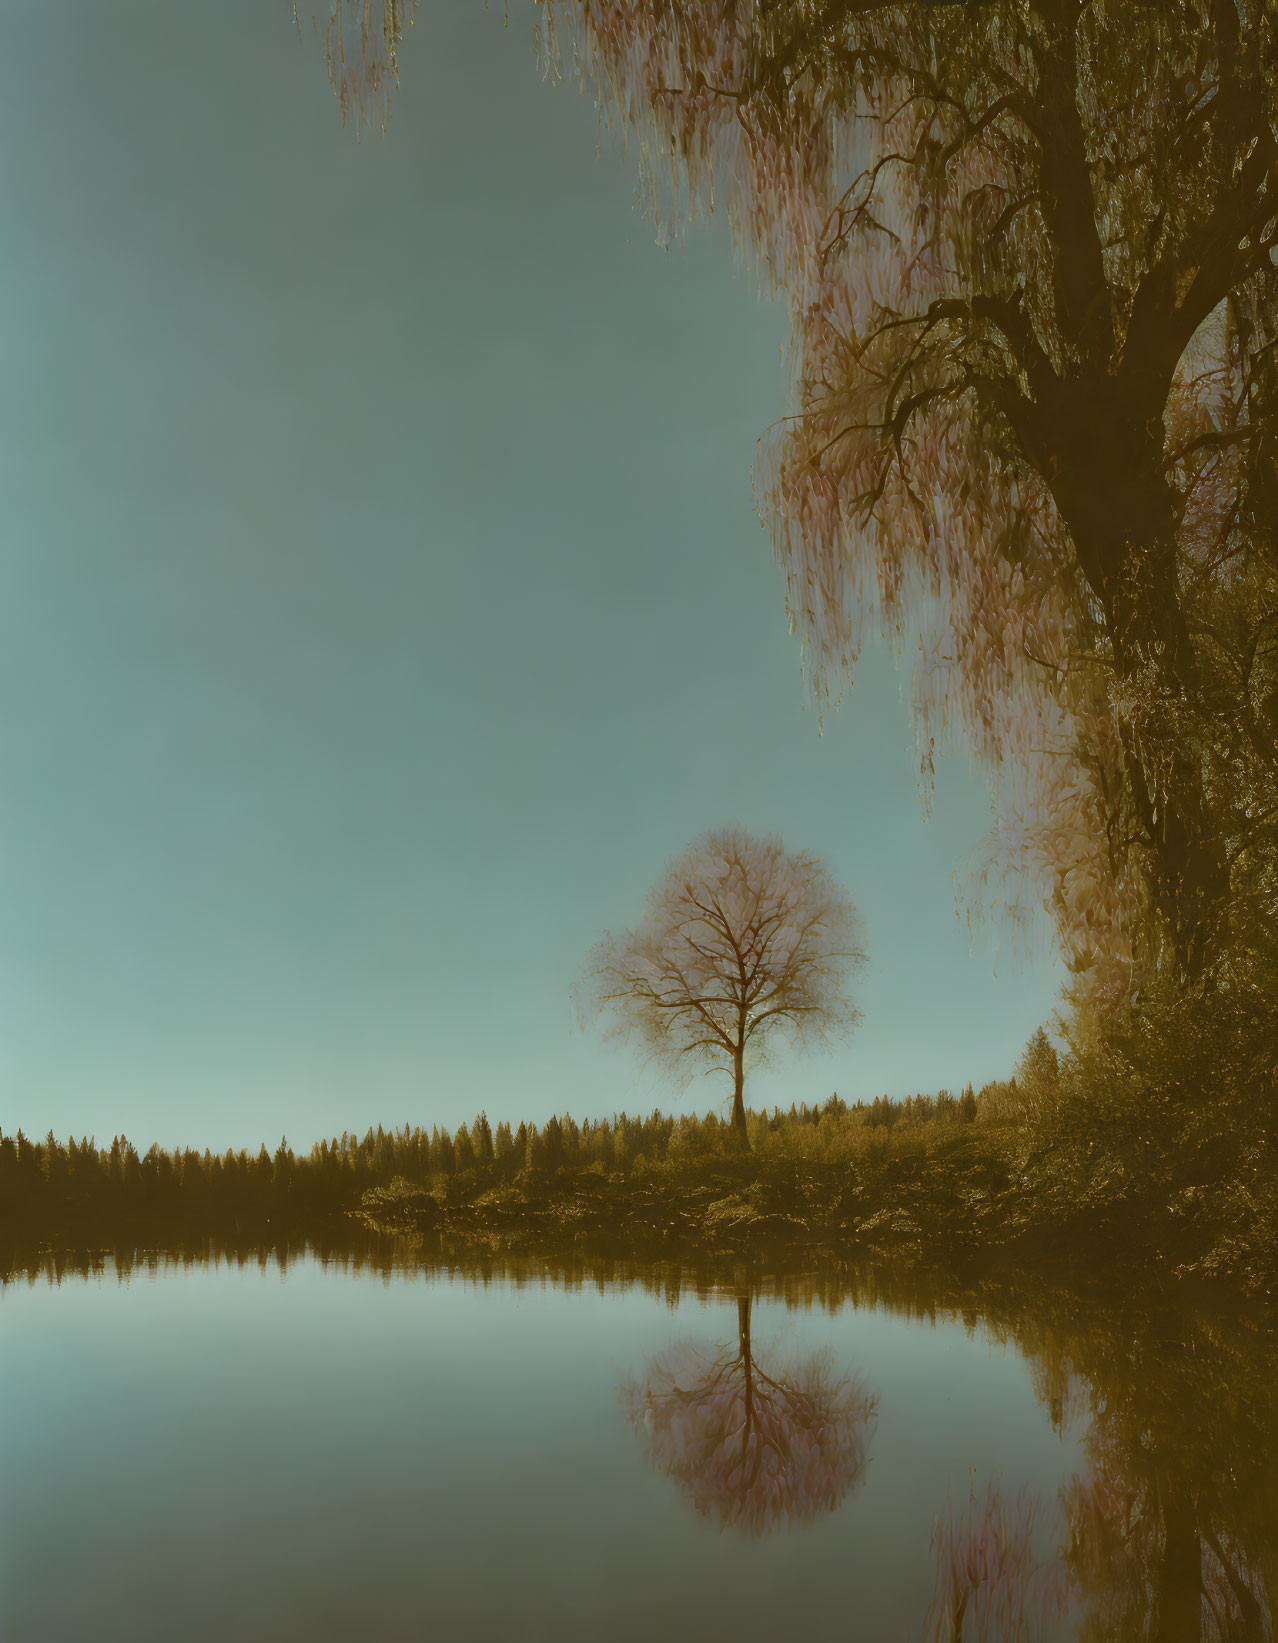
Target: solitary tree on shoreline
column 741, row 941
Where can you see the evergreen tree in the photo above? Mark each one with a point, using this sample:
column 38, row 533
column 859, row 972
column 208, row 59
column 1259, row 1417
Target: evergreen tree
column 463, row 1149
column 553, row 1144
column 482, row 1141
column 443, row 1160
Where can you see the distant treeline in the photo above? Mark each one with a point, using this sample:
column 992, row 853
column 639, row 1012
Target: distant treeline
column 1169, row 1162
column 77, row 1190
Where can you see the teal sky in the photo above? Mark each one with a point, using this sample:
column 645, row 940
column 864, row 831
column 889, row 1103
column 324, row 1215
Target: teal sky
column 384, row 602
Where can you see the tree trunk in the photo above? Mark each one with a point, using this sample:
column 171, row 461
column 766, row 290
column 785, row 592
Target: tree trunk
column 1098, row 437
column 747, row 1364
column 1185, row 864
column 738, row 1100
column 1105, row 445
column 1178, row 1584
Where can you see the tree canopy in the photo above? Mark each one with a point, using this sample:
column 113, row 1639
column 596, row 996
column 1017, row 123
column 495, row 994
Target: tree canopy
column 741, row 941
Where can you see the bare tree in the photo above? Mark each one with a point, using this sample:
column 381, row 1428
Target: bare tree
column 741, row 941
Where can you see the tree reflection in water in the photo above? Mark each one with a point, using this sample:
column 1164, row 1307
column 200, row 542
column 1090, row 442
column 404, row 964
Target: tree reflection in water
column 992, row 1582
column 1152, row 1559
column 1170, row 1532
column 749, row 1448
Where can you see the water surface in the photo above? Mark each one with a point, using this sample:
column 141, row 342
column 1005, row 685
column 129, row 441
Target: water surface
column 319, row 1452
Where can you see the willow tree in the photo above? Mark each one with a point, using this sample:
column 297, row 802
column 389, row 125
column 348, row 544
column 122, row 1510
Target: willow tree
column 752, row 1448
column 1029, row 247
column 742, row 943
column 361, row 45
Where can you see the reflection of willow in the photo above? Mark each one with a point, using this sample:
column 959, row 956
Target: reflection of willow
column 1152, row 1563
column 1173, row 1527
column 992, row 1583
column 1170, row 1532
column 749, row 1448
column 1142, row 1570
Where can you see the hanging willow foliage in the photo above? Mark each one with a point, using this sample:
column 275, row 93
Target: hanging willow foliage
column 361, row 45
column 1029, row 250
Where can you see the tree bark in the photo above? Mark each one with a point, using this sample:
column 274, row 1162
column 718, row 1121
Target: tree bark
column 1178, row 1587
column 1095, row 432
column 738, row 1099
column 1101, row 449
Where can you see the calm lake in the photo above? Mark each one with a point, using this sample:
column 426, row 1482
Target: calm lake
column 319, row 1451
